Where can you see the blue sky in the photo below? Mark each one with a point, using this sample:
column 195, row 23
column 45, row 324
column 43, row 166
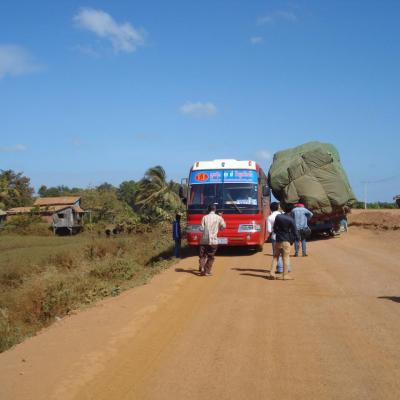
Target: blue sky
column 100, row 91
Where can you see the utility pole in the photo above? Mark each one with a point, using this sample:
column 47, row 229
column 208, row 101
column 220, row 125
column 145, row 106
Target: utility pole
column 365, row 183
column 365, row 194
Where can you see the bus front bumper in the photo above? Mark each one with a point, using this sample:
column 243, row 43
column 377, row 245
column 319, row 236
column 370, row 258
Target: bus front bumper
column 236, row 239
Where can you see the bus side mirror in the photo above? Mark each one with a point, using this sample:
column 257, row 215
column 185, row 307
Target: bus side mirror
column 266, row 191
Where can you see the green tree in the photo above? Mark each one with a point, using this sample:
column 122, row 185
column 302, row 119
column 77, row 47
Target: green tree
column 105, row 205
column 155, row 197
column 42, row 191
column 127, row 191
column 15, row 189
column 56, row 191
column 377, row 205
column 106, row 187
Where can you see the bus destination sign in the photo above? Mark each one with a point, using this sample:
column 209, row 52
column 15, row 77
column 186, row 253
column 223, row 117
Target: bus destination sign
column 223, row 176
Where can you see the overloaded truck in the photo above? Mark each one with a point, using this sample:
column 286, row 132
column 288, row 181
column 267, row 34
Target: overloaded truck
column 397, row 200
column 313, row 175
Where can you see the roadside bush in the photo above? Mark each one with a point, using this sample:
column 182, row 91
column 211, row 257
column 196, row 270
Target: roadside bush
column 115, row 270
column 51, row 294
column 27, row 225
column 9, row 335
column 101, row 248
column 16, row 272
column 64, row 260
column 88, row 227
column 57, row 300
column 11, row 278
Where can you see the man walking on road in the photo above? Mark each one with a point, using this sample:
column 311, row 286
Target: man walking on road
column 301, row 217
column 274, row 206
column 210, row 225
column 286, row 233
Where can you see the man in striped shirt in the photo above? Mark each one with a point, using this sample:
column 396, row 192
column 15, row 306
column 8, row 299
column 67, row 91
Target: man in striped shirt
column 210, row 225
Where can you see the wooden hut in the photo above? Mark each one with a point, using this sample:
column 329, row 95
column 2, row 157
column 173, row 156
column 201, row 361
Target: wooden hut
column 64, row 213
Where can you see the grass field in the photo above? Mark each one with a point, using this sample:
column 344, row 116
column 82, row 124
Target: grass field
column 43, row 278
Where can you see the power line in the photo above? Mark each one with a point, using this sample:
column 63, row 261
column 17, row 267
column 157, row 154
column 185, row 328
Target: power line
column 382, row 180
column 366, row 183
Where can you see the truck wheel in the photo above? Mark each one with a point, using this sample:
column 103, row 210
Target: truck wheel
column 259, row 248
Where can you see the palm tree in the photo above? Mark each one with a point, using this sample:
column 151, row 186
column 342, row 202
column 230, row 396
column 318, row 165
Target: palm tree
column 155, row 196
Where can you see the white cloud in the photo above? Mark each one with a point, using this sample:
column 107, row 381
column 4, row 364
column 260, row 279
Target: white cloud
column 123, row 36
column 199, row 109
column 256, row 40
column 15, row 60
column 277, row 16
column 87, row 50
column 264, row 155
column 264, row 20
column 13, row 149
column 286, row 15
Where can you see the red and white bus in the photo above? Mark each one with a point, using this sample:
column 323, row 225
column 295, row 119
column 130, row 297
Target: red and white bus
column 240, row 191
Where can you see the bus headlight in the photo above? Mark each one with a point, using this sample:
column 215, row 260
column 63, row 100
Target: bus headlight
column 193, row 228
column 249, row 227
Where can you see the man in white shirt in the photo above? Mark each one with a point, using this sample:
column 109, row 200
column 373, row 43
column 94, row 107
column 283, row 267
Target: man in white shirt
column 210, row 225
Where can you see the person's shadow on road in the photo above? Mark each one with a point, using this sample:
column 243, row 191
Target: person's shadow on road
column 250, row 272
column 393, row 298
column 189, row 271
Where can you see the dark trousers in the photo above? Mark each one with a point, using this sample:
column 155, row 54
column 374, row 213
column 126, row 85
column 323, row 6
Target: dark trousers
column 177, row 248
column 303, row 241
column 206, row 257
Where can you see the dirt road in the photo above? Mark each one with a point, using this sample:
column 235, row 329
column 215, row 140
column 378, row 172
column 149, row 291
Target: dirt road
column 332, row 333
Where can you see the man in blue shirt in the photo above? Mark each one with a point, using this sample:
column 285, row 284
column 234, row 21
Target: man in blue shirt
column 301, row 217
column 176, row 235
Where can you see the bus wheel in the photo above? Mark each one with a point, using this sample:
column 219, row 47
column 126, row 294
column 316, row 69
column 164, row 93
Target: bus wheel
column 259, row 248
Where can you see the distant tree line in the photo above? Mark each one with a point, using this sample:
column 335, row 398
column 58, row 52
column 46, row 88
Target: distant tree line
column 375, row 205
column 151, row 199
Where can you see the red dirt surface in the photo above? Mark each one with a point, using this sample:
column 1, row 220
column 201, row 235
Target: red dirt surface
column 375, row 219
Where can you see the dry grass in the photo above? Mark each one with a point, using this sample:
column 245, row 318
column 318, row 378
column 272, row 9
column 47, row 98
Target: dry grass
column 43, row 278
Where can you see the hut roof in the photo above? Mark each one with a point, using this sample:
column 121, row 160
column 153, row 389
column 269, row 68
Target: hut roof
column 57, row 208
column 78, row 209
column 19, row 210
column 53, row 201
column 43, row 209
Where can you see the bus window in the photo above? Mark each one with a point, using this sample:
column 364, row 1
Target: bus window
column 203, row 195
column 243, row 195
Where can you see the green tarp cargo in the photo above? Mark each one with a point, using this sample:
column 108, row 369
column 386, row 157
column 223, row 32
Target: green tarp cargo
column 311, row 174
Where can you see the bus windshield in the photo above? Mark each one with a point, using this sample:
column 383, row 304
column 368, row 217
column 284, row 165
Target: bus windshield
column 228, row 197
